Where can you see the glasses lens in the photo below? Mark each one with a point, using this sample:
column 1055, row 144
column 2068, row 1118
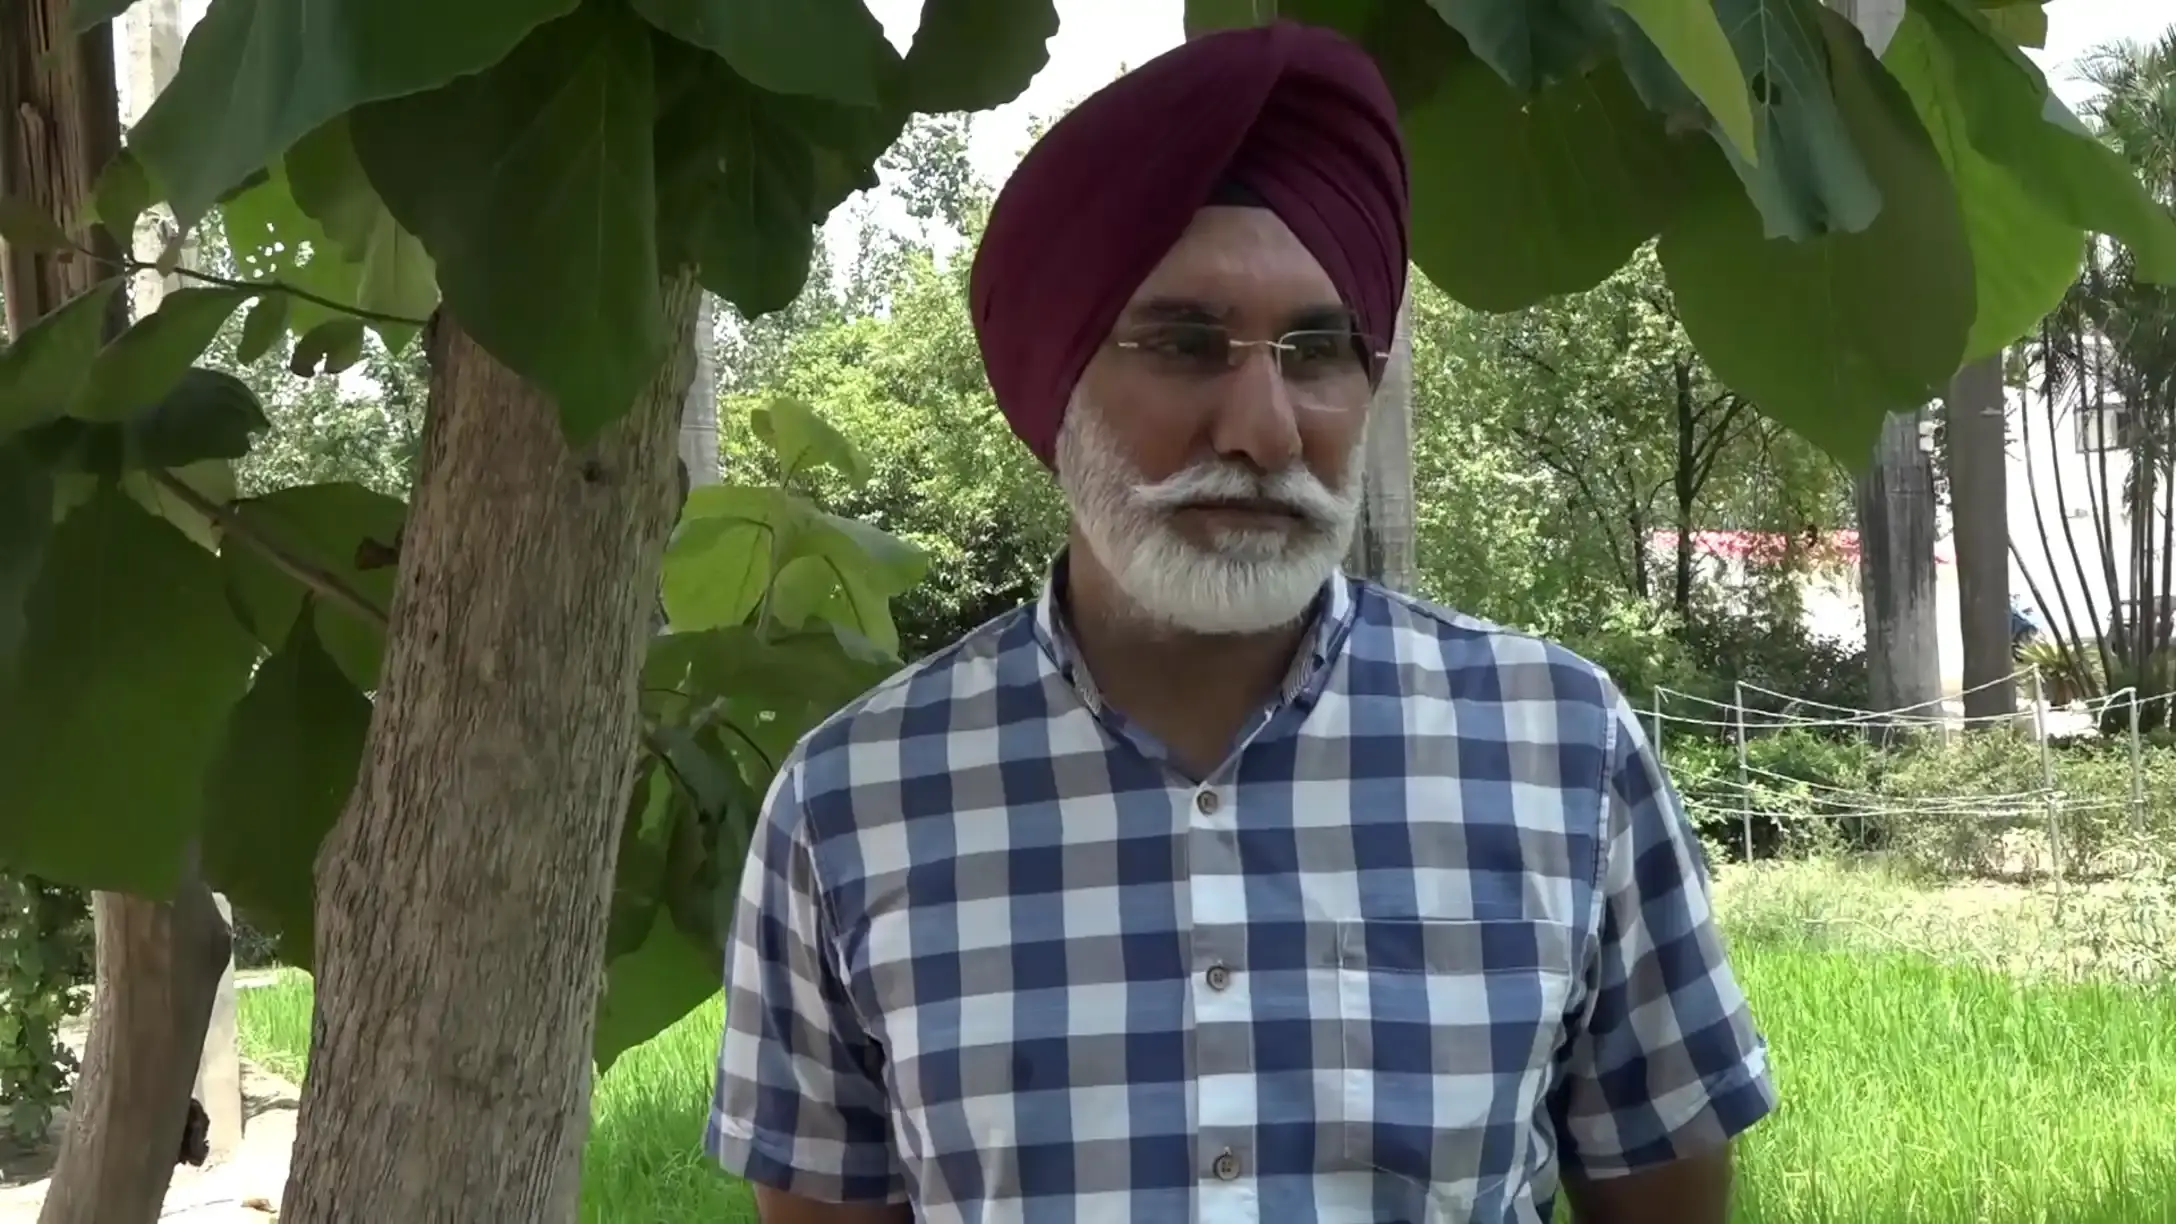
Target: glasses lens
column 1185, row 348
column 1325, row 369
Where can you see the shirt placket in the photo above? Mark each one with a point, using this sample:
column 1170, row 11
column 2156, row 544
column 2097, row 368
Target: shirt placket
column 1226, row 1111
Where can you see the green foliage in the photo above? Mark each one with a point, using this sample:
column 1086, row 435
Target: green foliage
column 777, row 617
column 1831, row 266
column 45, row 956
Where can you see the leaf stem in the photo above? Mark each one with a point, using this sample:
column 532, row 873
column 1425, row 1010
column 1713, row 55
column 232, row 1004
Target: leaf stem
column 313, row 577
column 130, row 266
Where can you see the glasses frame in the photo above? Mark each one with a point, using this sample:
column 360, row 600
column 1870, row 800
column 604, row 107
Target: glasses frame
column 1236, row 349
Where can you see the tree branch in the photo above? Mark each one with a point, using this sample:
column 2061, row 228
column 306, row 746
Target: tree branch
column 315, row 578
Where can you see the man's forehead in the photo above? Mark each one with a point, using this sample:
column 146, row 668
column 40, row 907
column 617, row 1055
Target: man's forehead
column 1236, row 260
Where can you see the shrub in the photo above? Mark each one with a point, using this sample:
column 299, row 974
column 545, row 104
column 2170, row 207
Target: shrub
column 45, row 955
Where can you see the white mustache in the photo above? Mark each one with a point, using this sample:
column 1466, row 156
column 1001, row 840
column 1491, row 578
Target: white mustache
column 1294, row 490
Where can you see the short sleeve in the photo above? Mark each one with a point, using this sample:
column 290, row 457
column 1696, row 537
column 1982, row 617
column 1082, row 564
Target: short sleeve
column 800, row 1103
column 1666, row 1062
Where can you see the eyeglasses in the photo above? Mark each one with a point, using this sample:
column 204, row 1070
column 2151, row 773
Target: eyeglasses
column 1331, row 369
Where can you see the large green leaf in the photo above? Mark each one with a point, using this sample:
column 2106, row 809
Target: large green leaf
column 344, row 530
column 719, row 561
column 256, row 75
column 273, row 239
column 832, row 49
column 1851, row 326
column 26, row 520
column 212, row 480
column 532, row 185
column 1529, row 43
column 130, row 663
column 1693, row 43
column 205, row 415
column 740, row 186
column 2024, row 258
column 1809, row 178
column 825, row 666
column 801, row 440
column 2008, row 111
column 143, row 364
column 208, row 414
column 293, row 745
column 41, row 372
column 651, row 988
column 971, row 55
column 386, row 270
column 1565, row 186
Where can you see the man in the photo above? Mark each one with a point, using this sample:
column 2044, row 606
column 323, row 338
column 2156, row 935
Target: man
column 1215, row 886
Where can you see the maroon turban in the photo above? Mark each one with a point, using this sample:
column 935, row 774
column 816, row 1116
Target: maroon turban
column 1292, row 115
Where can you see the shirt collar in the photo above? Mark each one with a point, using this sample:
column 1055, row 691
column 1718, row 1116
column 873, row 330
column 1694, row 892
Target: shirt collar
column 1330, row 620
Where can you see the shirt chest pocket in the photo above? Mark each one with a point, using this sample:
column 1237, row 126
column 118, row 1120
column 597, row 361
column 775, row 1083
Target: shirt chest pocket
column 1447, row 1028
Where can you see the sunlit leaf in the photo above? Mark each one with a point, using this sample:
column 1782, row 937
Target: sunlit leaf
column 1851, row 326
column 256, row 75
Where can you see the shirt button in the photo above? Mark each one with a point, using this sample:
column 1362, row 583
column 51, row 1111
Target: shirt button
column 1219, row 977
column 1207, row 803
column 1227, row 1166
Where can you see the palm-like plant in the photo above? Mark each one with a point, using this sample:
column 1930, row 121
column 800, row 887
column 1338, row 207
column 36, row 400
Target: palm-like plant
column 2113, row 341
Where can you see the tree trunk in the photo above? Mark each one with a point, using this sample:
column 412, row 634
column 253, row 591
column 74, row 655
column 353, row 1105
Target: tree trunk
column 1979, row 514
column 1384, row 547
column 158, row 962
column 699, row 419
column 158, row 965
column 462, row 897
column 1896, row 573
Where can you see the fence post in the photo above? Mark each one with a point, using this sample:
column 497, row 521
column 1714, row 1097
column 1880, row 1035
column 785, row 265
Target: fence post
column 2047, row 781
column 1654, row 733
column 2138, row 775
column 1745, row 781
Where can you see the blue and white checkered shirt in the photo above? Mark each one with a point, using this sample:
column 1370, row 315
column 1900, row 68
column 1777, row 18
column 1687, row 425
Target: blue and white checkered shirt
column 1435, row 931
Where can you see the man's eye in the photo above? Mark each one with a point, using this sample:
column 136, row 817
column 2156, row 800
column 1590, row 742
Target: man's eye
column 1320, row 353
column 1200, row 344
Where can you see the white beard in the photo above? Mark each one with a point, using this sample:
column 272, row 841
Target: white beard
column 1247, row 581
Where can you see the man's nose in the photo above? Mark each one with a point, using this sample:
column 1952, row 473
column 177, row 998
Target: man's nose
column 1256, row 419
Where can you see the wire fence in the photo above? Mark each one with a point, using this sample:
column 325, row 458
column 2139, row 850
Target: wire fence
column 1749, row 793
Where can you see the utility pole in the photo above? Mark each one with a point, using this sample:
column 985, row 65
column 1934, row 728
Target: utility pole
column 1384, row 547
column 1896, row 515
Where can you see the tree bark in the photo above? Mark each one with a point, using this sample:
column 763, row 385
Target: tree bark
column 1896, row 573
column 1979, row 514
column 462, row 897
column 158, row 962
column 1384, row 546
column 158, row 965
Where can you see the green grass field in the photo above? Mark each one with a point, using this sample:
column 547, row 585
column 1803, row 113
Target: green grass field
column 1915, row 1092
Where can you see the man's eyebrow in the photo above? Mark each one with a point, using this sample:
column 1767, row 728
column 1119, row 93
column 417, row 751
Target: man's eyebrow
column 1174, row 310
